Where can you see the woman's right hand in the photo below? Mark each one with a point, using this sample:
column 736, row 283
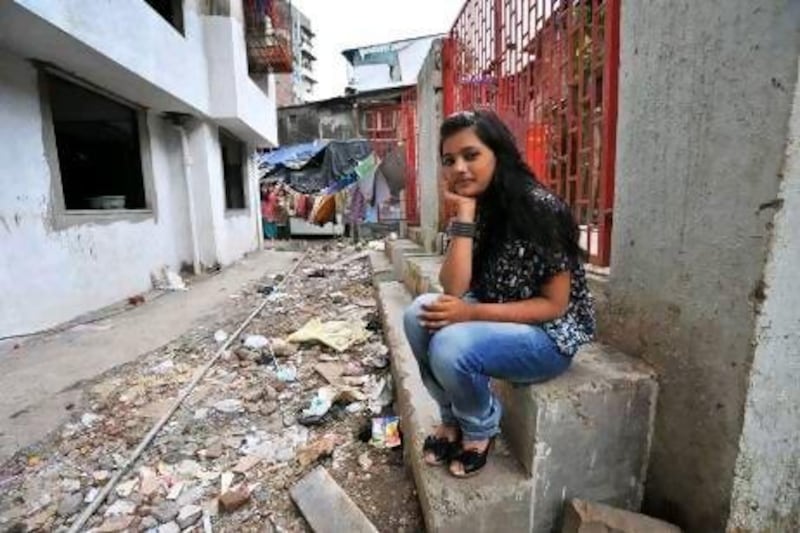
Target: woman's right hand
column 465, row 205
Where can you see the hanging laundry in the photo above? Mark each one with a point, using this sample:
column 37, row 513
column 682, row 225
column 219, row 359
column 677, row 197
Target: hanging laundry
column 324, row 210
column 366, row 176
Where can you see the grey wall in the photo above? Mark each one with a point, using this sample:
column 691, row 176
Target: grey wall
column 429, row 117
column 300, row 124
column 705, row 95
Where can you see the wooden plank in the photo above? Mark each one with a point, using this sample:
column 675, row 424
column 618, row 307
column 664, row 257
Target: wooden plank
column 326, row 507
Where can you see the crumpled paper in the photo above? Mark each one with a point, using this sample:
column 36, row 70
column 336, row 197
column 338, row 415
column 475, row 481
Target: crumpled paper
column 338, row 334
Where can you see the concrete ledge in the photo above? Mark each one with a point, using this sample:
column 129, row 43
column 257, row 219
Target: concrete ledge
column 421, row 274
column 397, row 250
column 499, row 499
column 585, row 434
column 381, row 267
column 415, row 235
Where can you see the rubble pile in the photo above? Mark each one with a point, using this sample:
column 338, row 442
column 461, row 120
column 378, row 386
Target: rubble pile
column 307, row 383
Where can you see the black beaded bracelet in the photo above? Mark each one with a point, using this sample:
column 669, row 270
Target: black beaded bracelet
column 461, row 229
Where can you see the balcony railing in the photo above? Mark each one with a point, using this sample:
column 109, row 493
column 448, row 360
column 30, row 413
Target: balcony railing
column 268, row 36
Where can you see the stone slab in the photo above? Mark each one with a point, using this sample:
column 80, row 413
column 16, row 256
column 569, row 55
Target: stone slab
column 326, row 507
column 582, row 516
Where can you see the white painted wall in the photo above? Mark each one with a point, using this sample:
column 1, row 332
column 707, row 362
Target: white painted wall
column 50, row 275
column 51, row 270
column 128, row 49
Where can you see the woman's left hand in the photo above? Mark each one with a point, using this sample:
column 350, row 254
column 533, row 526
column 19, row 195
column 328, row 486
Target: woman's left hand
column 445, row 311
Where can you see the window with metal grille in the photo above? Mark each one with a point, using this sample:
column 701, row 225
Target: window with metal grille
column 233, row 154
column 380, row 123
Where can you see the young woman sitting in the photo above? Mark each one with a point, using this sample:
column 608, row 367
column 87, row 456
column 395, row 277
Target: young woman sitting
column 515, row 305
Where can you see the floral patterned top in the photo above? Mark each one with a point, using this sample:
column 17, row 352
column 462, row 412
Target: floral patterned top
column 516, row 271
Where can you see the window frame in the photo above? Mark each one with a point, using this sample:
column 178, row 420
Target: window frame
column 179, row 25
column 245, row 173
column 60, row 216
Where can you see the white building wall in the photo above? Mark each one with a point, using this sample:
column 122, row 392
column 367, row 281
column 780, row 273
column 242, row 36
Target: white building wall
column 55, row 265
column 49, row 275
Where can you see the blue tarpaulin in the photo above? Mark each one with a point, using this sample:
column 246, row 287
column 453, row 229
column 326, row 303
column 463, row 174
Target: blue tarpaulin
column 294, row 156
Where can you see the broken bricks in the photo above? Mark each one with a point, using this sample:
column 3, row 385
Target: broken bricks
column 234, row 498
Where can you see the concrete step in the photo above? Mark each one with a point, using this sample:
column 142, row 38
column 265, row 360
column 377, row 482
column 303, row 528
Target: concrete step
column 499, row 499
column 585, row 434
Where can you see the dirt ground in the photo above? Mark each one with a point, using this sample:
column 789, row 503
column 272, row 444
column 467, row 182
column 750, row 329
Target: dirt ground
column 241, row 439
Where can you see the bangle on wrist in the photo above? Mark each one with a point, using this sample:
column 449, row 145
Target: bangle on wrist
column 461, row 229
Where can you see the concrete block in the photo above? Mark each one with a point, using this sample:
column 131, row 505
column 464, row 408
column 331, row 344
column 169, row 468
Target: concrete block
column 381, row 267
column 584, row 434
column 581, row 516
column 499, row 499
column 422, row 273
column 396, row 250
column 415, row 235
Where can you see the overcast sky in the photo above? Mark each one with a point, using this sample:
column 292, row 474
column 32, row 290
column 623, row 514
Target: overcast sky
column 341, row 24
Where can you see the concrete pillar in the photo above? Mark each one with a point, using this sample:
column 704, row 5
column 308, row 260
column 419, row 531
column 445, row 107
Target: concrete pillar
column 205, row 173
column 429, row 116
column 700, row 283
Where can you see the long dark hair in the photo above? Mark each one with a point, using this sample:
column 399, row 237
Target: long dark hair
column 509, row 208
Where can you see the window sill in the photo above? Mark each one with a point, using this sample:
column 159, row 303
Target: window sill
column 79, row 217
column 106, row 212
column 237, row 212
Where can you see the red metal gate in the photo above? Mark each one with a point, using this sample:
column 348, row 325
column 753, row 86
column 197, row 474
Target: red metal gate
column 408, row 138
column 392, row 127
column 549, row 69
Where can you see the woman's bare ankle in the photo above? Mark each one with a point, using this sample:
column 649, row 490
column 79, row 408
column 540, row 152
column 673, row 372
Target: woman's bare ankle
column 447, row 431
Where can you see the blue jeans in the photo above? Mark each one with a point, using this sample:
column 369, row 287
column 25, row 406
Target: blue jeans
column 457, row 361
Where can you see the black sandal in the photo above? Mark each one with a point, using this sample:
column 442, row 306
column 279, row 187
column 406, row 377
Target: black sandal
column 441, row 448
column 473, row 461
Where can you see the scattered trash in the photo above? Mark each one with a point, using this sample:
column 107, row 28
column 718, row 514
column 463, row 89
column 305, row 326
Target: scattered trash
column 287, row 374
column 120, row 507
column 318, row 449
column 256, row 342
column 331, row 371
column 380, row 394
column 320, row 405
column 234, row 498
column 229, row 406
column 189, row 515
column 338, row 334
column 364, row 461
column 91, row 495
column 89, row 420
column 168, row 280
column 266, row 290
column 246, row 463
column 281, row 348
column 386, row 432
column 136, row 300
column 377, row 246
column 164, row 367
column 243, row 422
